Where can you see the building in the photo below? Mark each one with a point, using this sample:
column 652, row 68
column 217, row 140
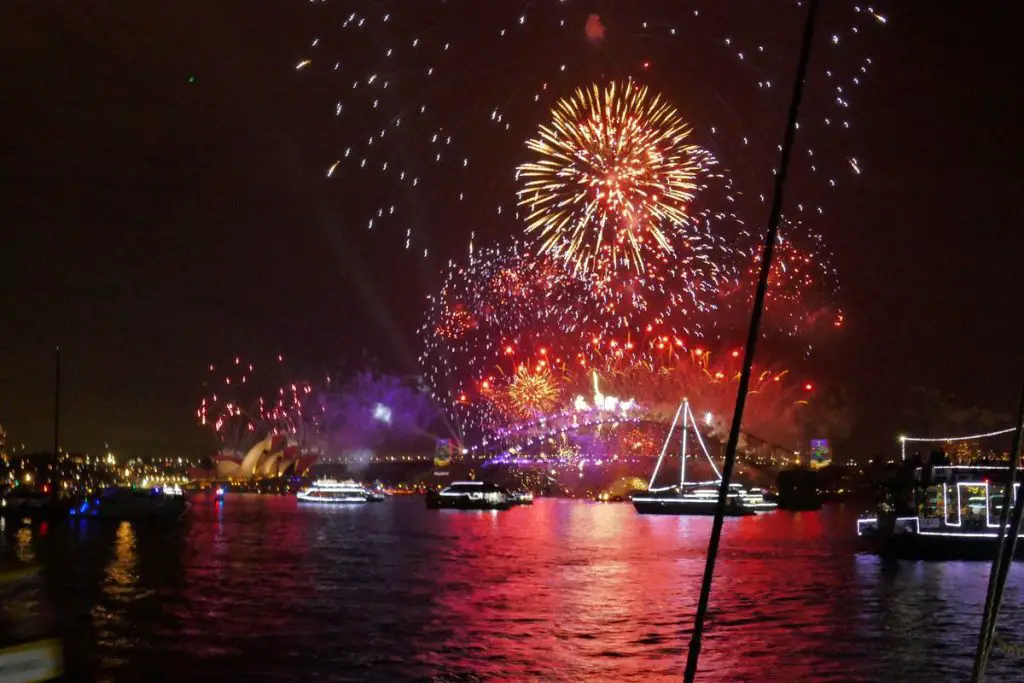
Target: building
column 271, row 457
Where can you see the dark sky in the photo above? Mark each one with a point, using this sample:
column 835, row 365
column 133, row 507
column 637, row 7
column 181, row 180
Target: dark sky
column 152, row 224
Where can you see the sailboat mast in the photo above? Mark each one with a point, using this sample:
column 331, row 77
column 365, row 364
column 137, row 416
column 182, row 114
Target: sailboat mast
column 771, row 235
column 664, row 447
column 56, row 402
column 682, row 449
column 1008, row 534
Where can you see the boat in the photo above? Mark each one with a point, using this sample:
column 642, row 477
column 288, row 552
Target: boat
column 520, row 497
column 756, row 499
column 469, row 495
column 25, row 501
column 944, row 512
column 125, row 503
column 799, row 490
column 331, row 492
column 695, row 498
column 934, row 510
column 32, row 504
column 172, row 490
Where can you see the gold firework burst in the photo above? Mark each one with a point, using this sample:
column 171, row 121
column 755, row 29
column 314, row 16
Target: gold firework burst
column 613, row 174
column 531, row 393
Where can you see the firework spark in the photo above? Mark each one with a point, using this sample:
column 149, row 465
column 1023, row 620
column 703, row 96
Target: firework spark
column 395, row 77
column 666, row 269
column 509, row 309
column 802, row 287
column 613, row 172
column 776, row 402
column 242, row 405
column 508, row 306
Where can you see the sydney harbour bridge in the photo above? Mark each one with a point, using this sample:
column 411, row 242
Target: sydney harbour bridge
column 571, row 452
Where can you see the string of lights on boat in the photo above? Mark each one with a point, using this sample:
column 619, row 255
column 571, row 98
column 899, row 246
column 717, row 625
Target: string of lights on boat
column 904, row 440
column 972, row 437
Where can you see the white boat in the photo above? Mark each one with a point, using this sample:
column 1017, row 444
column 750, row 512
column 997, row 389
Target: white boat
column 470, row 495
column 753, row 498
column 331, row 492
column 520, row 497
column 173, row 490
column 691, row 498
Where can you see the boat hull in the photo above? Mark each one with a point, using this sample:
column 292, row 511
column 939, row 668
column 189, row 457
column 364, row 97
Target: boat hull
column 330, row 492
column 799, row 505
column 338, row 501
column 679, row 506
column 34, row 512
column 940, row 548
column 436, row 502
column 162, row 512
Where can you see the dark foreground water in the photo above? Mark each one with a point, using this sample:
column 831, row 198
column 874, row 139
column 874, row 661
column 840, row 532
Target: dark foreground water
column 264, row 589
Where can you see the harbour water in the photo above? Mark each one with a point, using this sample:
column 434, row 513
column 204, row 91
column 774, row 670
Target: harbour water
column 262, row 588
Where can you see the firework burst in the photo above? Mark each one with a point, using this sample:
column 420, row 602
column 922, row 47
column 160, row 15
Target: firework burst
column 242, row 405
column 803, row 284
column 508, row 306
column 613, row 174
column 429, row 102
column 531, row 393
column 641, row 231
column 776, row 402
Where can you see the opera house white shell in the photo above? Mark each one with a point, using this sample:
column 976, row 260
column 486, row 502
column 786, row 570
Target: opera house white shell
column 269, row 458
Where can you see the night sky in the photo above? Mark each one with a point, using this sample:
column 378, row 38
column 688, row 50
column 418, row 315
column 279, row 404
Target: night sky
column 164, row 205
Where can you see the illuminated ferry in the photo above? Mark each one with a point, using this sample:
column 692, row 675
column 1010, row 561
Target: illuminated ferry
column 330, row 492
column 470, row 495
column 695, row 498
column 939, row 513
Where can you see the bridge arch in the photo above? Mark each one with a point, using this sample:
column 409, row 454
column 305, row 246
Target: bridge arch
column 520, row 437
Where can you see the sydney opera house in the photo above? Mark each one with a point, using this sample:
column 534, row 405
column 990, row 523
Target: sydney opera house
column 272, row 457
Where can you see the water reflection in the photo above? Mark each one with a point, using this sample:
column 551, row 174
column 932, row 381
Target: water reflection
column 119, row 588
column 121, row 572
column 23, row 549
column 259, row 588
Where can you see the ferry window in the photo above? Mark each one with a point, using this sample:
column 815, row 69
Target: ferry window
column 974, row 504
column 997, row 494
column 951, row 506
column 933, row 505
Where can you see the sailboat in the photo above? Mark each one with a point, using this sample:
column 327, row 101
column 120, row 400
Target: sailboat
column 695, row 497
